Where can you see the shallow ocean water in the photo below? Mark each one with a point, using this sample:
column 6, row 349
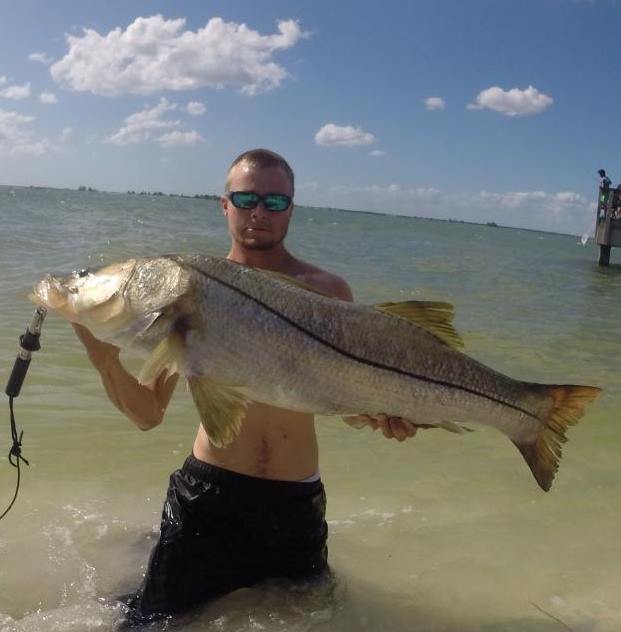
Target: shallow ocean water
column 442, row 533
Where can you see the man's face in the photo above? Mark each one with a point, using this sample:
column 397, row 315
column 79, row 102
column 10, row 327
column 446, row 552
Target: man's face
column 257, row 228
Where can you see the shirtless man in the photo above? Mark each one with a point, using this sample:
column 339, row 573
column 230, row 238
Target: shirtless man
column 256, row 508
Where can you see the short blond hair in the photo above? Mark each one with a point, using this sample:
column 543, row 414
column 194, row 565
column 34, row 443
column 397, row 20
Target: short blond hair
column 261, row 158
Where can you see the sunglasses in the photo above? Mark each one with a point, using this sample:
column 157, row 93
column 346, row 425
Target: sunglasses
column 275, row 202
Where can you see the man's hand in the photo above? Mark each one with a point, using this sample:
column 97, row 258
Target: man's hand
column 391, row 427
column 101, row 354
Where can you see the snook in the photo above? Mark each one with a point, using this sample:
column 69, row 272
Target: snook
column 241, row 334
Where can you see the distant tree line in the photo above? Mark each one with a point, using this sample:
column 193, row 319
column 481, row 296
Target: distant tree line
column 201, row 196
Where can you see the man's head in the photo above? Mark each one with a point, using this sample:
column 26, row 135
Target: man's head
column 602, row 173
column 262, row 172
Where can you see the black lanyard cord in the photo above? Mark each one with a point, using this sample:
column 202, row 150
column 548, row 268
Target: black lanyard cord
column 15, row 456
column 15, row 453
column 28, row 343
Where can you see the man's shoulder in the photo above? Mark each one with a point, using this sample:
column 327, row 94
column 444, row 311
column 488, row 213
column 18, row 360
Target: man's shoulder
column 325, row 282
column 330, row 285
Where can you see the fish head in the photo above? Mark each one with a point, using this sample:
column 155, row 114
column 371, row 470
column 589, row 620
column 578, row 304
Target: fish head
column 85, row 295
column 135, row 302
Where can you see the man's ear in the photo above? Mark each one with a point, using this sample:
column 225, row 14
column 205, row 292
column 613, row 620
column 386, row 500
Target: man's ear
column 224, row 203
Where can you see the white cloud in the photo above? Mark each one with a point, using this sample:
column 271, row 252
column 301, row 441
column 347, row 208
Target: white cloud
column 177, row 138
column 41, row 58
column 154, row 54
column 2, row 80
column 195, row 108
column 377, row 153
column 378, row 189
column 434, row 103
column 332, row 135
column 16, row 92
column 555, row 203
column 149, row 124
column 66, row 135
column 142, row 126
column 562, row 212
column 17, row 137
column 48, row 98
column 514, row 102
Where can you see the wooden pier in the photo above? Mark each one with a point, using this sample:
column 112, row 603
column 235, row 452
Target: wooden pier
column 608, row 222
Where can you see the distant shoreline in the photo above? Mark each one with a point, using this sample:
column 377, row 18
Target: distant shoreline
column 211, row 196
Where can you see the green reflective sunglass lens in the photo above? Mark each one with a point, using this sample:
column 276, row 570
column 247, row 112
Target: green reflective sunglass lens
column 277, row 202
column 245, row 200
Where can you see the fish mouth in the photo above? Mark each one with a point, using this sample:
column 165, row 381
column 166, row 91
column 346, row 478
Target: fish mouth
column 50, row 293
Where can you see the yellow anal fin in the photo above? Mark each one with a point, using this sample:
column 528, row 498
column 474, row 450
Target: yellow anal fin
column 355, row 421
column 221, row 408
column 567, row 408
column 435, row 317
column 454, row 427
column 165, row 357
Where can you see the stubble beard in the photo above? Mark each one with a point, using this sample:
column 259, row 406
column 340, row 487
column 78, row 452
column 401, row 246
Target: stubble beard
column 260, row 245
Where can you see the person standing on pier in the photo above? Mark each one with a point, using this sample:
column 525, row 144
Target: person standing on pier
column 604, row 191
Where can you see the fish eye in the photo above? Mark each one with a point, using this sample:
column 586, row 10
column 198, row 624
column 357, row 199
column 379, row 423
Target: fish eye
column 71, row 282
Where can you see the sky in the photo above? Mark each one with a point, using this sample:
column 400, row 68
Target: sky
column 474, row 110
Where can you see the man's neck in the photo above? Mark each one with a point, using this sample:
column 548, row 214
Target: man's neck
column 277, row 259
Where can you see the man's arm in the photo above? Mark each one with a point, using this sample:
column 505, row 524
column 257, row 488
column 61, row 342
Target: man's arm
column 144, row 405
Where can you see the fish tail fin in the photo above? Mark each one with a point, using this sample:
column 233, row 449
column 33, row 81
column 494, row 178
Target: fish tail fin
column 565, row 407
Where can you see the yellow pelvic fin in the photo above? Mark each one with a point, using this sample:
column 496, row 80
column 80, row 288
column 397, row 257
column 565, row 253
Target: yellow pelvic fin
column 165, row 357
column 566, row 409
column 221, row 408
column 435, row 317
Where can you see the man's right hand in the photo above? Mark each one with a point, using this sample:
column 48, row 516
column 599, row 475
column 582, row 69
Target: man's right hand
column 101, row 354
column 391, row 427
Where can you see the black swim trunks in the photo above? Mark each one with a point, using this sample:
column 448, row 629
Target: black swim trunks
column 222, row 530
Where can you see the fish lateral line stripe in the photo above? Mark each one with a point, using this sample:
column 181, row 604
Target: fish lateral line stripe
column 350, row 355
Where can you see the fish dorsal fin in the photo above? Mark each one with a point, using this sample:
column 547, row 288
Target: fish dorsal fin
column 434, row 316
column 165, row 357
column 293, row 281
column 221, row 407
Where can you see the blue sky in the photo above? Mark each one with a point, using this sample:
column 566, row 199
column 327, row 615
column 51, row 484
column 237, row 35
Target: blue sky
column 468, row 109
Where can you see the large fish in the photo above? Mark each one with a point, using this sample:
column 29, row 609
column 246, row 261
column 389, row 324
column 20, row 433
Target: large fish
column 241, row 334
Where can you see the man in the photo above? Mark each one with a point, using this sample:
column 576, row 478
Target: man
column 255, row 509
column 604, row 181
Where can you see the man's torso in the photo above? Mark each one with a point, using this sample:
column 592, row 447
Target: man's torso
column 275, row 443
